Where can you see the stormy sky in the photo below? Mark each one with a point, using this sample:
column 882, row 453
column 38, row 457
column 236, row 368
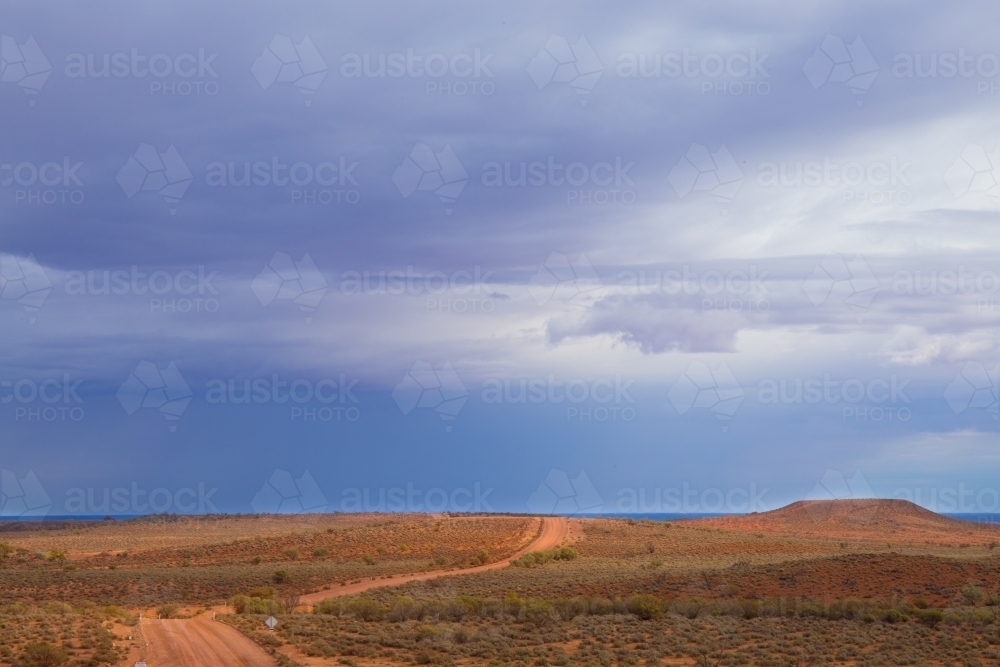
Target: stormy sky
column 497, row 256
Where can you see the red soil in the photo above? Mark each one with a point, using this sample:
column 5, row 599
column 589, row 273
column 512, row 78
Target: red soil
column 894, row 521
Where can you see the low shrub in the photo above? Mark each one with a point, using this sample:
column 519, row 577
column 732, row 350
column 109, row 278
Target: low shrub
column 329, row 606
column 244, row 604
column 542, row 557
column 43, row 655
column 645, row 606
column 367, row 609
column 929, row 617
column 167, row 610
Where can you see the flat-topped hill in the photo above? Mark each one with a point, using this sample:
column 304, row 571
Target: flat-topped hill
column 877, row 519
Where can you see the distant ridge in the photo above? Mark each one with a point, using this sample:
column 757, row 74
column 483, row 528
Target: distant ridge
column 874, row 518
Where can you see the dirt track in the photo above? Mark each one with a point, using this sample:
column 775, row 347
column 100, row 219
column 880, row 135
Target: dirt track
column 555, row 530
column 201, row 642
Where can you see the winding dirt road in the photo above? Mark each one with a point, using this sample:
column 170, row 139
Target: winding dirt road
column 201, row 642
column 554, row 531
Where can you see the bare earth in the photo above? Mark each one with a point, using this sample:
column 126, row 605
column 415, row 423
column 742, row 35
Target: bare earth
column 554, row 532
column 201, row 642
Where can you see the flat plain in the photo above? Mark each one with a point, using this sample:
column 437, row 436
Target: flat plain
column 865, row 582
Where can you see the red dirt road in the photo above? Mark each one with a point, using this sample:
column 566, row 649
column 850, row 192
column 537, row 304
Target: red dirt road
column 200, row 642
column 555, row 531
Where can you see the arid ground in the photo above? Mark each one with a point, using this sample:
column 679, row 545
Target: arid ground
column 864, row 582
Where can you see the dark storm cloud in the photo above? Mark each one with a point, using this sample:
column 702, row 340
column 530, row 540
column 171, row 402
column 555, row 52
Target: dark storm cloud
column 615, row 168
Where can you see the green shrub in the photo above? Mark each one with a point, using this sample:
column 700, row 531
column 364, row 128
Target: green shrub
column 367, row 609
column 321, row 552
column 540, row 613
column 929, row 617
column 971, row 594
column 43, row 655
column 167, row 610
column 690, row 608
column 244, row 604
column 533, row 558
column 263, row 592
column 892, row 616
column 982, row 617
column 751, row 608
column 329, row 606
column 281, row 577
column 512, row 605
column 811, row 610
column 644, row 606
column 404, row 608
column 571, row 608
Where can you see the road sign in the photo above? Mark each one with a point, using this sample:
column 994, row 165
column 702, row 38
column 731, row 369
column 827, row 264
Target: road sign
column 271, row 622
